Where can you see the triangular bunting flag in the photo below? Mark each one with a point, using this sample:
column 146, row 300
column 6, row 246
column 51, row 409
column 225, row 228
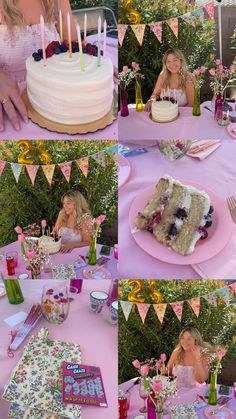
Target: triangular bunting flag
column 233, row 287
column 83, row 165
column 121, row 33
column 66, row 169
column 209, row 7
column 174, row 25
column 139, row 32
column 188, row 17
column 113, row 151
column 126, row 307
column 160, row 310
column 49, row 171
column 2, row 165
column 211, row 298
column 195, row 304
column 143, row 309
column 32, row 172
column 225, row 294
column 100, row 158
column 16, row 169
column 156, row 27
column 198, row 15
column 178, row 309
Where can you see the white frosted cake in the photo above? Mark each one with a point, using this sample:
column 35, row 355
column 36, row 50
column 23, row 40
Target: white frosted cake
column 177, row 215
column 49, row 245
column 62, row 93
column 164, row 110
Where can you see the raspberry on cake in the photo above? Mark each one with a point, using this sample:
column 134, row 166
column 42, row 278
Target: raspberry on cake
column 177, row 215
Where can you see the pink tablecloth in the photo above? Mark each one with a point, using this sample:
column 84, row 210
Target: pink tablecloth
column 98, row 341
column 217, row 172
column 187, row 397
column 56, row 259
column 139, row 126
column 32, row 131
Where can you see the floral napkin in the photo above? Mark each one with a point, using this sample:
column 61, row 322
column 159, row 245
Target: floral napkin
column 183, row 411
column 35, row 387
column 63, row 271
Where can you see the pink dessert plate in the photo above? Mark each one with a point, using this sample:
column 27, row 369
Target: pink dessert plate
column 223, row 413
column 2, row 290
column 218, row 234
column 124, row 169
column 229, row 128
column 96, row 272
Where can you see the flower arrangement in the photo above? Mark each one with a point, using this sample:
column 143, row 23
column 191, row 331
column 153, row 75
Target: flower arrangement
column 220, row 77
column 92, row 258
column 214, row 359
column 198, row 75
column 127, row 75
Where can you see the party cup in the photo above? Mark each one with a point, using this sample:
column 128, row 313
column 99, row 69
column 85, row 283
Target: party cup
column 97, row 300
column 114, row 312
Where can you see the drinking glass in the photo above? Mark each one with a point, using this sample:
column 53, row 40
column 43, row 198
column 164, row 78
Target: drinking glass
column 174, row 149
column 14, row 255
column 144, row 395
column 55, row 303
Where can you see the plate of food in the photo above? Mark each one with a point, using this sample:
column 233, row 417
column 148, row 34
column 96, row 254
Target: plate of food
column 180, row 223
column 124, row 170
column 96, row 272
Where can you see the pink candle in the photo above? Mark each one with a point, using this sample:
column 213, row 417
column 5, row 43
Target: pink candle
column 43, row 40
column 104, row 38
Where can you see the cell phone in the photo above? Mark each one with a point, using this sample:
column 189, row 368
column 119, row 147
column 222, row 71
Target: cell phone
column 102, row 260
column 105, row 250
column 225, row 390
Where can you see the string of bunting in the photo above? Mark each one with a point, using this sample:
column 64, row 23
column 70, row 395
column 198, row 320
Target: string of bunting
column 177, row 306
column 193, row 18
column 82, row 163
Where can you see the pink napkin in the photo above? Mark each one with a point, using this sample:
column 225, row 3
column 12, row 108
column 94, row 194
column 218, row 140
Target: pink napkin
column 223, row 265
column 201, row 155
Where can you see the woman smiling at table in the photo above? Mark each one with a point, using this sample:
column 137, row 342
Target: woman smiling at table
column 174, row 79
column 188, row 361
column 74, row 223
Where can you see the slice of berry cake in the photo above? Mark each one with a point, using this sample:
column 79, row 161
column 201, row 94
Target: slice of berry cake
column 177, row 215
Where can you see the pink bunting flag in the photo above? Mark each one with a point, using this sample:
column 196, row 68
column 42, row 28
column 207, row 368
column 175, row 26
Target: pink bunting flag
column 211, row 298
column 160, row 310
column 83, row 165
column 66, row 169
column 224, row 294
column 233, row 287
column 156, row 27
column 121, row 33
column 126, row 307
column 32, row 172
column 139, row 32
column 209, row 7
column 178, row 309
column 143, row 309
column 49, row 171
column 174, row 25
column 188, row 18
column 16, row 169
column 2, row 165
column 100, row 158
column 195, row 304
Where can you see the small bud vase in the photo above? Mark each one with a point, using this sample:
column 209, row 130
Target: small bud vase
column 124, row 110
column 138, row 97
column 13, row 290
column 196, row 102
column 212, row 397
column 92, row 257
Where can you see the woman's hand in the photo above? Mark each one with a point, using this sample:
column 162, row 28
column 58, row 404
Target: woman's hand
column 196, row 352
column 147, row 106
column 66, row 248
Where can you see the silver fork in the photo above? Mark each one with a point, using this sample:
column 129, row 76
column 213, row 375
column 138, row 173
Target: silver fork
column 231, row 201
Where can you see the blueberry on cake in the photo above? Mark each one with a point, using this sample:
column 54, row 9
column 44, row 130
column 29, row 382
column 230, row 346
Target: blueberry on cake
column 177, row 215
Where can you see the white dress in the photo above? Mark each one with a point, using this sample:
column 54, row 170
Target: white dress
column 185, row 377
column 179, row 94
column 69, row 235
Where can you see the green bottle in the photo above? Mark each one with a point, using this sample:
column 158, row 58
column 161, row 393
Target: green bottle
column 13, row 290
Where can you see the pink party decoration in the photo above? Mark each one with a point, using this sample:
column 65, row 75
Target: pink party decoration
column 188, row 17
column 66, row 169
column 156, row 27
column 32, row 172
column 174, row 25
column 2, row 165
column 143, row 309
column 49, row 171
column 233, row 286
column 126, row 308
column 139, row 32
column 209, row 7
column 83, row 165
column 121, row 33
column 195, row 304
column 100, row 159
column 16, row 169
column 211, row 298
column 178, row 309
column 160, row 310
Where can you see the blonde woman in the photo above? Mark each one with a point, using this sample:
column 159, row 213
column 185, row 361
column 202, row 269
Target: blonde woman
column 20, row 36
column 189, row 360
column 74, row 223
column 174, row 79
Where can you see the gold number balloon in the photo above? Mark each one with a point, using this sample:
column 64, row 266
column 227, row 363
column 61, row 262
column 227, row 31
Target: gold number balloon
column 138, row 288
column 132, row 15
column 43, row 154
column 154, row 293
column 27, row 145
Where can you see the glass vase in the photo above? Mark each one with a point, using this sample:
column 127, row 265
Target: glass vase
column 124, row 110
column 35, row 271
column 219, row 103
column 196, row 102
column 92, row 257
column 212, row 397
column 138, row 97
column 13, row 290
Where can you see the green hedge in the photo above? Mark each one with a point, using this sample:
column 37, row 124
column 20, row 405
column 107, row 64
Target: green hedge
column 142, row 341
column 22, row 203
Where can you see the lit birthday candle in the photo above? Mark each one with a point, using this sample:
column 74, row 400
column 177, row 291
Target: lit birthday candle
column 85, row 28
column 104, row 38
column 60, row 23
column 43, row 40
column 80, row 48
column 69, row 35
column 99, row 40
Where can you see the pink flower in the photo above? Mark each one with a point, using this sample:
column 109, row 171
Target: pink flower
column 196, row 72
column 158, row 366
column 221, row 67
column 136, row 363
column 221, row 354
column 144, row 369
column 125, row 69
column 31, row 254
column 21, row 238
column 43, row 223
column 212, row 72
column 163, row 357
column 231, row 68
column 18, row 229
column 218, row 62
column 100, row 219
column 203, row 69
column 157, row 386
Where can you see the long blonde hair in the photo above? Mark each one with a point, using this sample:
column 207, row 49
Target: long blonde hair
column 81, row 207
column 179, row 351
column 12, row 16
column 184, row 74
